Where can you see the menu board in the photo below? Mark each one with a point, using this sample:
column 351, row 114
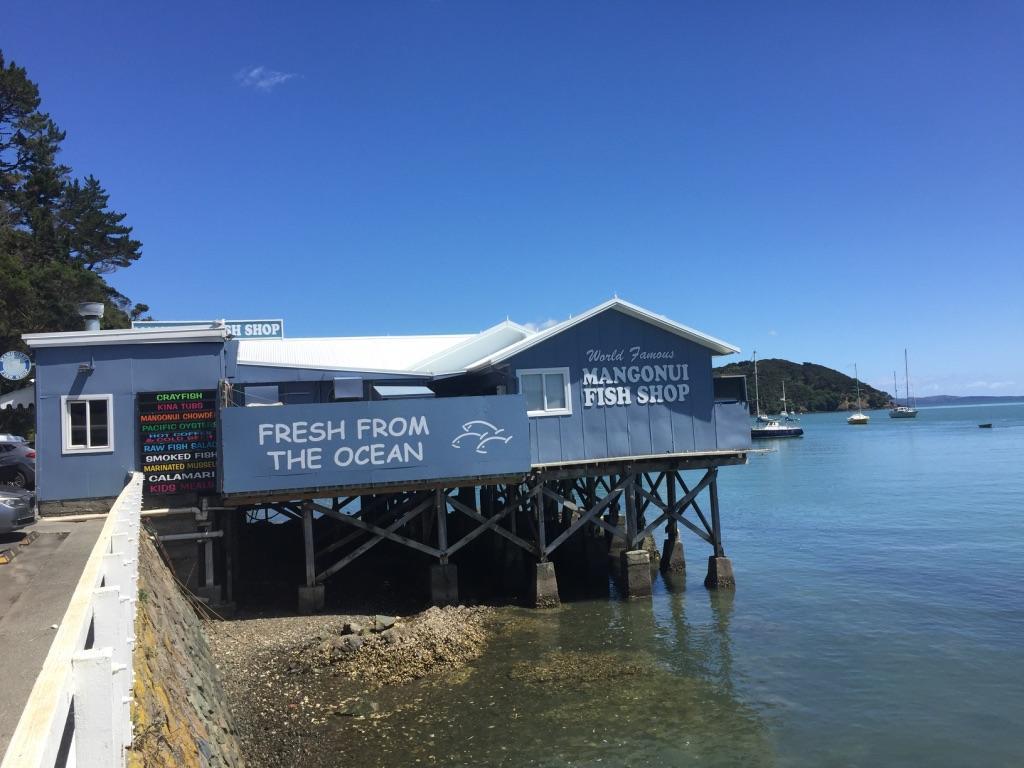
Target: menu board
column 178, row 439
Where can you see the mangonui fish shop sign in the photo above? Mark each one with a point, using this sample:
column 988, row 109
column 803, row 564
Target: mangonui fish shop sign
column 329, row 445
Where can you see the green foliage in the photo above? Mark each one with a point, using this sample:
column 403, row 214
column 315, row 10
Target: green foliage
column 58, row 236
column 809, row 387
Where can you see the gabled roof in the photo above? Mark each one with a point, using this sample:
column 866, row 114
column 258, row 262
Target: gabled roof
column 717, row 346
column 178, row 335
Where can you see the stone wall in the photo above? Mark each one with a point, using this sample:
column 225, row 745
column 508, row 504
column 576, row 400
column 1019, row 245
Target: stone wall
column 180, row 715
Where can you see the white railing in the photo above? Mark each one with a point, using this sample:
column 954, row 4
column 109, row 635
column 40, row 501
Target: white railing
column 79, row 711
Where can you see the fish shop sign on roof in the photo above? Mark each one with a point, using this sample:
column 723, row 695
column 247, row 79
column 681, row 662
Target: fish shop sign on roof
column 240, row 329
column 333, row 445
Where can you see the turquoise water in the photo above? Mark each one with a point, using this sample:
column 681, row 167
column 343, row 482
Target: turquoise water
column 878, row 620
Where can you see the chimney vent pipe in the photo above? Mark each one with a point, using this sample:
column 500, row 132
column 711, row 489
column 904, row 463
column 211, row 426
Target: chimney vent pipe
column 91, row 312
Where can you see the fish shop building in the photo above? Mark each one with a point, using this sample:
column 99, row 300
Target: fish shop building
column 587, row 423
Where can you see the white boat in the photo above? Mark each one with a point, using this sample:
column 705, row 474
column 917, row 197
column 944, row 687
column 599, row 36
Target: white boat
column 903, row 411
column 769, row 427
column 859, row 418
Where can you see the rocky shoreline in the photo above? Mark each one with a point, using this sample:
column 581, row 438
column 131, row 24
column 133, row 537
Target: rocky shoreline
column 286, row 679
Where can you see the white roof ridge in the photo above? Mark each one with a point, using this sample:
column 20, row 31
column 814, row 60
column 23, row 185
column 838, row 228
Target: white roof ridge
column 368, row 338
column 504, row 325
column 717, row 346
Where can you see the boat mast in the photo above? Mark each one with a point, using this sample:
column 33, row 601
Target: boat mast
column 906, row 368
column 856, row 381
column 895, row 391
column 757, row 391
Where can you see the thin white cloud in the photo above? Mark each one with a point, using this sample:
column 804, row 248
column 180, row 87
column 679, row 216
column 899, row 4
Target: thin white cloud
column 262, row 78
column 773, row 332
column 541, row 326
column 990, row 384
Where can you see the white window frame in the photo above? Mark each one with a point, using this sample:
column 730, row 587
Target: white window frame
column 567, row 411
column 65, row 424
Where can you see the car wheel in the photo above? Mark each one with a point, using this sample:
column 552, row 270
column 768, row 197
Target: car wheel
column 19, row 479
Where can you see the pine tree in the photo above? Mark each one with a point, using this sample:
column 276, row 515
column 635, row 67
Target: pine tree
column 58, row 236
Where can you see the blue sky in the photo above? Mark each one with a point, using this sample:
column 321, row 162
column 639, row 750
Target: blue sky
column 819, row 181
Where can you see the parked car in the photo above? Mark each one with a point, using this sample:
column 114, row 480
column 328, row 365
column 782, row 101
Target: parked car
column 17, row 462
column 16, row 510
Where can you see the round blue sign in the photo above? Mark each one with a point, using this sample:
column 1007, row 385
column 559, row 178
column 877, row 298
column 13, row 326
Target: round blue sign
column 14, row 365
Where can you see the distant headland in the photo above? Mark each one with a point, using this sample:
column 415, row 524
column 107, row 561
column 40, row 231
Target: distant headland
column 812, row 387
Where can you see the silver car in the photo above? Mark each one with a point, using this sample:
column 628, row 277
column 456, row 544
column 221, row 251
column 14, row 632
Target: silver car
column 17, row 509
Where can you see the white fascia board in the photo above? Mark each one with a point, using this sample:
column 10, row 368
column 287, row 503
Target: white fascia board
column 332, row 369
column 125, row 336
column 717, row 346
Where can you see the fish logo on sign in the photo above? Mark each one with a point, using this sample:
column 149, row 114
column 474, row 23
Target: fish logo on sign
column 484, row 432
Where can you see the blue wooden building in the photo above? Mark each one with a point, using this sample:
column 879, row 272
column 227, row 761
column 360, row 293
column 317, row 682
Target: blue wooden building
column 588, row 424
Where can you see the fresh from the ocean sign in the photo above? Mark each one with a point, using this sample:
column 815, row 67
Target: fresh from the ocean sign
column 370, row 443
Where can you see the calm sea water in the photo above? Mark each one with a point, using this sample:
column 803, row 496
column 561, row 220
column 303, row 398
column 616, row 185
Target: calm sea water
column 878, row 620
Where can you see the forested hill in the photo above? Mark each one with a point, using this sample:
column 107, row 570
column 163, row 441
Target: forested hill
column 809, row 387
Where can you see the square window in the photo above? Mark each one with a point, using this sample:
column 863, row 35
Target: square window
column 87, row 423
column 547, row 391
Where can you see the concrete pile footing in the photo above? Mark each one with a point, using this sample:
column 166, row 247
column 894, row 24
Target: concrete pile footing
column 719, row 573
column 545, row 592
column 311, row 599
column 672, row 560
column 636, row 573
column 673, row 565
column 444, row 584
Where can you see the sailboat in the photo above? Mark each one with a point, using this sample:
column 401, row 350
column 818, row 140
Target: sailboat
column 859, row 418
column 903, row 411
column 767, row 427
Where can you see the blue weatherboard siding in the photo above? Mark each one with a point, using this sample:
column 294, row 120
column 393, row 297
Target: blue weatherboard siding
column 610, row 431
column 122, row 371
column 694, row 422
column 365, row 443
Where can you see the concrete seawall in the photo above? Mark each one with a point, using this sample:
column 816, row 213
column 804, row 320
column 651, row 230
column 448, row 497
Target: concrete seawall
column 180, row 714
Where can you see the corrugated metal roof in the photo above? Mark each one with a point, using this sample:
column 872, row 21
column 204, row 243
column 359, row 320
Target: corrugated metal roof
column 438, row 354
column 351, row 353
column 19, row 398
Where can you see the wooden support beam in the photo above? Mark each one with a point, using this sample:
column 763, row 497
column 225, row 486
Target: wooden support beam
column 653, row 464
column 441, row 507
column 591, row 515
column 380, row 533
column 696, row 508
column 681, row 505
column 489, row 523
column 671, row 528
column 716, row 521
column 563, row 501
column 396, row 510
column 696, row 530
column 307, row 544
column 538, row 505
column 630, row 493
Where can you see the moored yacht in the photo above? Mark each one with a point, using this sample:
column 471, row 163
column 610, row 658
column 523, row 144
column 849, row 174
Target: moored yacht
column 859, row 418
column 902, row 411
column 770, row 427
